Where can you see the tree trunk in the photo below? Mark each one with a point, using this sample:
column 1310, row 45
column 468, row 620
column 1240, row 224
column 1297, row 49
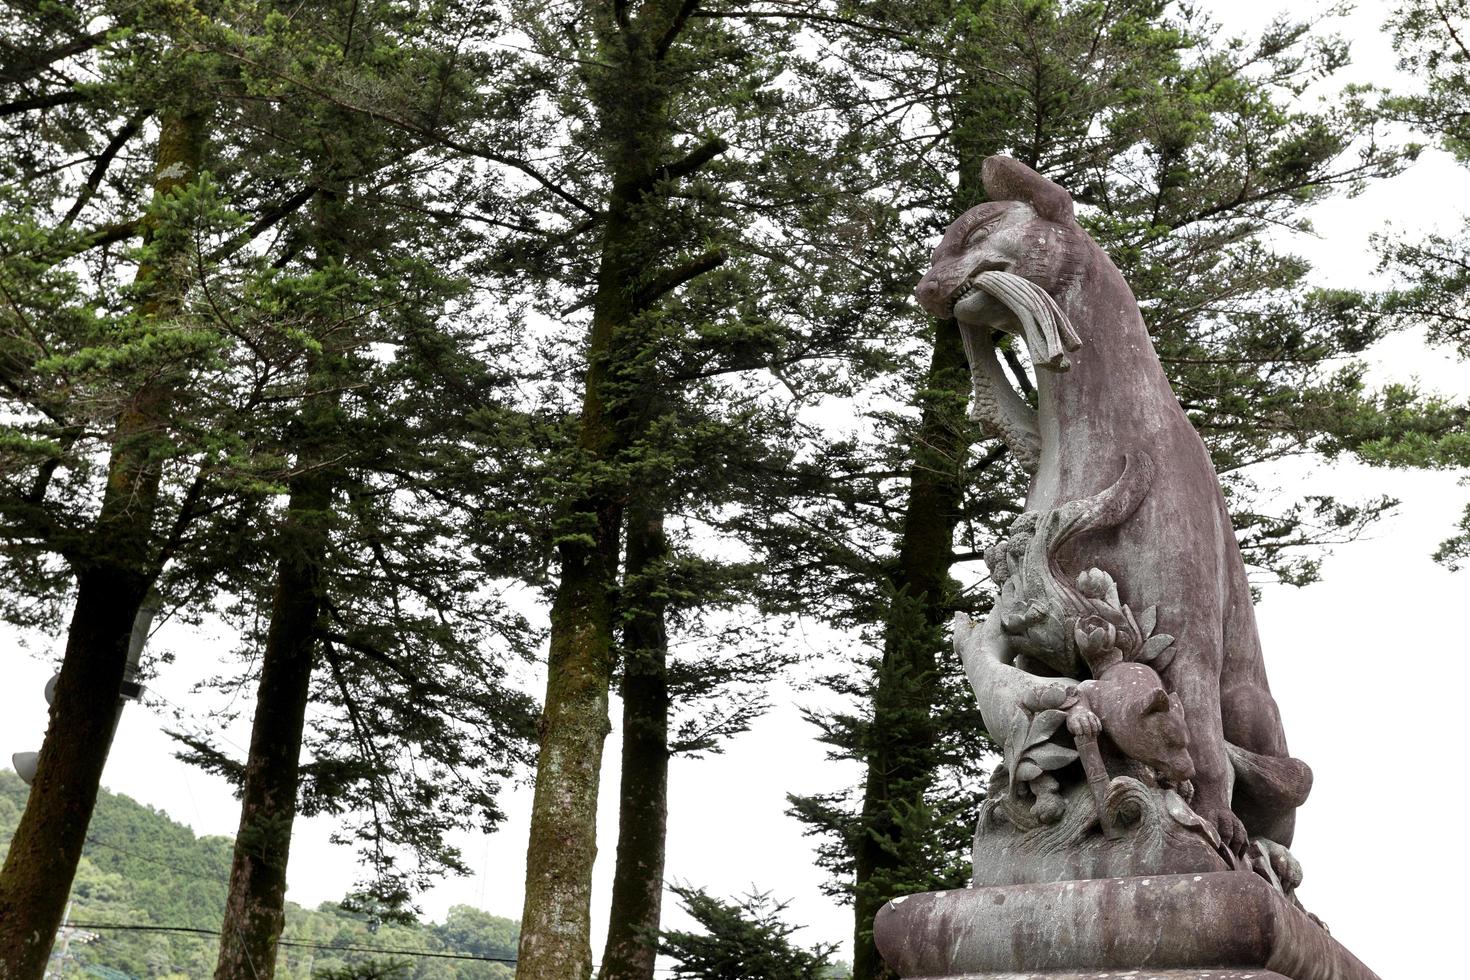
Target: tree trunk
column 43, row 856
column 113, row 578
column 555, row 939
column 638, row 881
column 900, row 766
column 901, row 759
column 631, row 93
column 255, row 908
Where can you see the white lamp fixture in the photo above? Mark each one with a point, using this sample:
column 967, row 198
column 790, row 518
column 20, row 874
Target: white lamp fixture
column 25, row 762
column 25, row 765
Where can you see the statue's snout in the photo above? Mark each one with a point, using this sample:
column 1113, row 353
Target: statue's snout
column 932, row 292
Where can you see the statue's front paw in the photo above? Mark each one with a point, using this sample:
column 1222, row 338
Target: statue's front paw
column 1084, row 722
column 1228, row 826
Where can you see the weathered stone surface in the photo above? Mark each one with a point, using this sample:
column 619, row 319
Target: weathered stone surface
column 1123, row 632
column 1218, row 925
column 1155, row 833
column 1139, row 822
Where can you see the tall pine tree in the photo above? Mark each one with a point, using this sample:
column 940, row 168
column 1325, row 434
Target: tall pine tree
column 93, row 393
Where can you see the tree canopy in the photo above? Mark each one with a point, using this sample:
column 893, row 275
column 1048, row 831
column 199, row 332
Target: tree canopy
column 473, row 362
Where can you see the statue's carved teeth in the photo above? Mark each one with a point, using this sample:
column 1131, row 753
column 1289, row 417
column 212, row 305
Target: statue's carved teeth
column 965, row 289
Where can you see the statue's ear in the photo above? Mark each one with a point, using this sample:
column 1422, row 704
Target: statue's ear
column 1159, row 702
column 1005, row 179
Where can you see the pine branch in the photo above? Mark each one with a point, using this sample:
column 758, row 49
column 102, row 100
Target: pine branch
column 805, row 16
column 24, row 68
column 676, row 26
column 97, row 238
column 104, row 161
column 65, row 97
column 267, row 219
column 426, row 133
column 691, row 162
column 666, row 282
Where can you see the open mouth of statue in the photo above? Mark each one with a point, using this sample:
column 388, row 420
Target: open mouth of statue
column 972, row 284
column 1033, row 314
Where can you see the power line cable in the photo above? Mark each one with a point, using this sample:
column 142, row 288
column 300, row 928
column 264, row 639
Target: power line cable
column 282, row 942
column 303, row 944
column 162, row 864
column 210, row 932
column 298, row 943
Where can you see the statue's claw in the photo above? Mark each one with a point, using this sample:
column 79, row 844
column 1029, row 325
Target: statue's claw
column 1232, row 832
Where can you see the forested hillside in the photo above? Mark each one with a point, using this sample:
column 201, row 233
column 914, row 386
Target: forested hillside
column 140, row 868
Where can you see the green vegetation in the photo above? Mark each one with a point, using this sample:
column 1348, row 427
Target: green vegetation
column 744, row 939
column 1432, row 270
column 141, row 868
column 364, row 327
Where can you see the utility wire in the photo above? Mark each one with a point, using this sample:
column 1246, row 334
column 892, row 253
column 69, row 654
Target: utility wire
column 299, row 943
column 281, row 942
column 187, row 872
column 302, row 944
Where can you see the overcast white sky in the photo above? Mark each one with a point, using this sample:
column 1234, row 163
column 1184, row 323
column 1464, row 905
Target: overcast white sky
column 1360, row 665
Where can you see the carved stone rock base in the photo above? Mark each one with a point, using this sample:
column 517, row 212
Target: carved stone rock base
column 1154, row 833
column 1226, row 925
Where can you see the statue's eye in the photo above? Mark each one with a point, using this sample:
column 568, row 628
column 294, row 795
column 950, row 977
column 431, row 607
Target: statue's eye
column 981, row 230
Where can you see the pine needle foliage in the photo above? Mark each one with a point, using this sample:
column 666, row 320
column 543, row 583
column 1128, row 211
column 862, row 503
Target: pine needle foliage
column 744, row 939
column 1433, row 271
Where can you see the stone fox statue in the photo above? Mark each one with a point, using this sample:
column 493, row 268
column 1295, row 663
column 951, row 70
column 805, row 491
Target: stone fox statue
column 1021, row 264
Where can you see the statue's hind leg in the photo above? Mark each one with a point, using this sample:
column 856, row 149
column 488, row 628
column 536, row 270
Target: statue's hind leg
column 1194, row 676
column 1269, row 784
column 1268, row 789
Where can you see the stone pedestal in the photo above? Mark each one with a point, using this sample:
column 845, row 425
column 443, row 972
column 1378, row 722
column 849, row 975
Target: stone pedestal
column 1227, row 925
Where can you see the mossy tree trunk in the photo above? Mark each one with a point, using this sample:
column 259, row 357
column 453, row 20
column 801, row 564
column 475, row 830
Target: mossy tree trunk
column 638, row 880
column 255, row 907
column 630, row 88
column 903, row 748
column 555, row 926
column 115, row 567
column 555, row 940
column 901, row 758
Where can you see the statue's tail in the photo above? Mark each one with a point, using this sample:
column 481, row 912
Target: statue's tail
column 1268, row 790
column 1107, row 508
column 1278, row 782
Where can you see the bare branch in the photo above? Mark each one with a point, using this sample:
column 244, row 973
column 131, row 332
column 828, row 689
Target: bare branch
column 65, row 97
column 94, row 179
column 23, row 68
column 676, row 26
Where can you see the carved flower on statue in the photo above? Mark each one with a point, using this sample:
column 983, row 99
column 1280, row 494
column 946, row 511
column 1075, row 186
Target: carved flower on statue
column 1098, row 585
column 1094, row 635
column 1094, row 583
column 1030, row 747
